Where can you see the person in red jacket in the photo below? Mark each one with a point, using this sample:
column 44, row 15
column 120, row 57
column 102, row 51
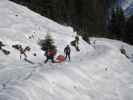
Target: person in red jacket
column 50, row 55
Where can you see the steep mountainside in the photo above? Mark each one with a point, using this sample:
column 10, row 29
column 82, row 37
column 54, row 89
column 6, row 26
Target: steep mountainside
column 83, row 15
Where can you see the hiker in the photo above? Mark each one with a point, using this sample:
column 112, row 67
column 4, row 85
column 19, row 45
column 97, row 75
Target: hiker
column 67, row 52
column 50, row 55
column 77, row 40
column 23, row 51
column 93, row 44
column 75, row 43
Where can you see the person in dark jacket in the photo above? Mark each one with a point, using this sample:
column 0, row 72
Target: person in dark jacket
column 67, row 52
column 23, row 51
column 77, row 40
column 50, row 55
column 77, row 43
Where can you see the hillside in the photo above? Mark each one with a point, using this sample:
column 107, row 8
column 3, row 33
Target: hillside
column 100, row 73
column 79, row 14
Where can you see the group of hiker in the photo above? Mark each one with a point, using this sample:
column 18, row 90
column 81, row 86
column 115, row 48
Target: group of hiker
column 50, row 55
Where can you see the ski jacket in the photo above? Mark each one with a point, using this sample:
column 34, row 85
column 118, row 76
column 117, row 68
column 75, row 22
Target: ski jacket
column 67, row 50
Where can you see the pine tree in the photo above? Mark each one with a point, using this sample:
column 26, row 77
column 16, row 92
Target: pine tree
column 129, row 30
column 112, row 23
column 117, row 23
column 120, row 20
column 47, row 44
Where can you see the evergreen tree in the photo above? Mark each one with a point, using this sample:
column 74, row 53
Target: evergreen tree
column 120, row 22
column 47, row 44
column 112, row 23
column 129, row 30
column 117, row 23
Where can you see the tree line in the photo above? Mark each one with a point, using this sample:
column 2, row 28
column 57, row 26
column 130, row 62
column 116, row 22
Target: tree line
column 119, row 26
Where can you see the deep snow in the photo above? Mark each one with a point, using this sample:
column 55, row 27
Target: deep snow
column 102, row 73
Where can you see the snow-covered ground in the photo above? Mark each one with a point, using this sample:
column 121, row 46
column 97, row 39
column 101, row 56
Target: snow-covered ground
column 102, row 73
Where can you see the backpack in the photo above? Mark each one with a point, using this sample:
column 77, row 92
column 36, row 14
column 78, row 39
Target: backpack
column 51, row 53
column 60, row 58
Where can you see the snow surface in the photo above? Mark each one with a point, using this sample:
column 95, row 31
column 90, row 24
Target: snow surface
column 102, row 73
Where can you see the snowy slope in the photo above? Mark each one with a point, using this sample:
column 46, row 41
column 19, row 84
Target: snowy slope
column 93, row 74
column 18, row 23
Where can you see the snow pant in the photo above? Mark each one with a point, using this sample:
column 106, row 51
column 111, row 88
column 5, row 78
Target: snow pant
column 49, row 58
column 67, row 56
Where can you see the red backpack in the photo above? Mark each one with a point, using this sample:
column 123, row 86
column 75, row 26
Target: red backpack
column 60, row 58
column 51, row 53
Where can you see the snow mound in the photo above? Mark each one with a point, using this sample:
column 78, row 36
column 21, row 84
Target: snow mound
column 102, row 73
